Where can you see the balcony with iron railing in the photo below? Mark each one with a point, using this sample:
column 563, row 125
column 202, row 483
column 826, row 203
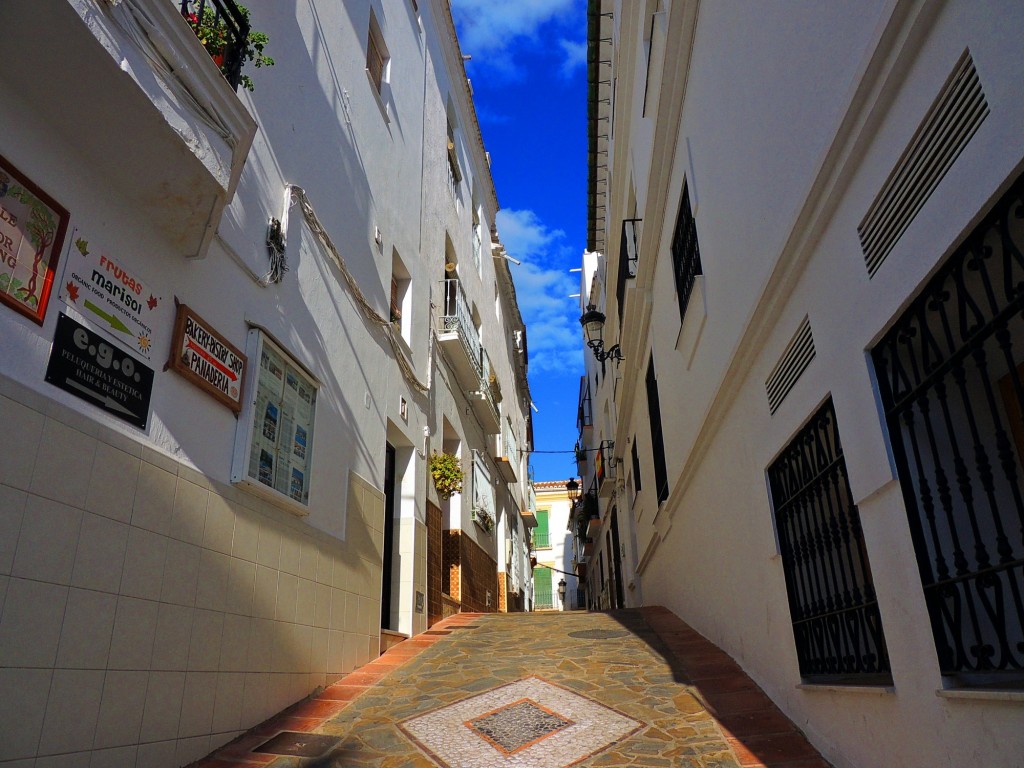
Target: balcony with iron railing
column 138, row 75
column 483, row 403
column 223, row 29
column 604, row 467
column 584, row 409
column 458, row 336
column 628, row 259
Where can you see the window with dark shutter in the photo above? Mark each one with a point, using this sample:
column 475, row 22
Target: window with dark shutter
column 657, row 440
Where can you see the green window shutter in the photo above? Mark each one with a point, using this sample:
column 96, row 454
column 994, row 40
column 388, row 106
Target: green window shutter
column 541, row 536
column 542, row 587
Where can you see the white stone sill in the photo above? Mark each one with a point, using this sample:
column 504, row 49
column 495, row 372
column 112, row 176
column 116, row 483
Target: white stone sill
column 980, row 694
column 875, row 690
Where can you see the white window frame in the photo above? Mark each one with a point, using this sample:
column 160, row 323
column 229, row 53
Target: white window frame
column 289, row 411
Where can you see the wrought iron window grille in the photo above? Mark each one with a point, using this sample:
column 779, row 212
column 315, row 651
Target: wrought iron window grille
column 836, row 623
column 952, row 387
column 685, row 253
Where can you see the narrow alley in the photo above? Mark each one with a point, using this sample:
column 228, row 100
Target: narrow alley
column 635, row 687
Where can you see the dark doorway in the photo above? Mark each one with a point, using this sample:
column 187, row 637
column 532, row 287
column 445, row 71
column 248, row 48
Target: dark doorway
column 389, row 536
column 617, row 560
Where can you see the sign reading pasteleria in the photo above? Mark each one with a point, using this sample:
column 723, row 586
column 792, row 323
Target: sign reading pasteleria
column 207, row 359
column 88, row 366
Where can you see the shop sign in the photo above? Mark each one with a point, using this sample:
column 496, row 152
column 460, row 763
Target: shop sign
column 32, row 230
column 207, row 359
column 114, row 297
column 88, row 366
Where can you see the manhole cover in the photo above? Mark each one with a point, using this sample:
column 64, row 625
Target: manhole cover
column 297, row 744
column 598, row 634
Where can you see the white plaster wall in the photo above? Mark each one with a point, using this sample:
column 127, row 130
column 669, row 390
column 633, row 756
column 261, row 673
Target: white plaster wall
column 764, row 98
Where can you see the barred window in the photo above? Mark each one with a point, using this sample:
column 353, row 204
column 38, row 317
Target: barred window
column 685, row 253
column 836, row 623
column 952, row 384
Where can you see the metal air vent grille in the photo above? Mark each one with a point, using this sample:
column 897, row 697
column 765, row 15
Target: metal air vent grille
column 794, row 361
column 952, row 120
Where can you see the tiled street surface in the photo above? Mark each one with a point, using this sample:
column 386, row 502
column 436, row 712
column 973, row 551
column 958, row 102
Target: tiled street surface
column 630, row 688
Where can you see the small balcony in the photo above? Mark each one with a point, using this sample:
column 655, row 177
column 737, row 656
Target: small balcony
column 133, row 91
column 584, row 410
column 506, row 468
column 529, row 514
column 459, row 339
column 604, row 468
column 627, row 262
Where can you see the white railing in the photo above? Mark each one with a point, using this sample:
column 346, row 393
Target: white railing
column 455, row 316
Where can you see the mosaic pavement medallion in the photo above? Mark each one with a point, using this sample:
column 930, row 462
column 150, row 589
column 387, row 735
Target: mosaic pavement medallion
column 530, row 723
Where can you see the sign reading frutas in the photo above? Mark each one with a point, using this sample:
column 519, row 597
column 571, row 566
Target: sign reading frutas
column 86, row 365
column 207, row 359
column 32, row 229
column 114, row 297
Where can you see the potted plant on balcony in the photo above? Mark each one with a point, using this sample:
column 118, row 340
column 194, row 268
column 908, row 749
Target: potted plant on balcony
column 446, row 471
column 483, row 517
column 212, row 32
column 581, row 460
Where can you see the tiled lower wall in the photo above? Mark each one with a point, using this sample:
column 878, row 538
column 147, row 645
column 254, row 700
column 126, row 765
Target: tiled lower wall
column 148, row 615
column 472, row 572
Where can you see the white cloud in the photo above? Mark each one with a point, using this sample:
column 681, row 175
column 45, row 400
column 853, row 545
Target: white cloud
column 543, row 288
column 575, row 56
column 488, row 29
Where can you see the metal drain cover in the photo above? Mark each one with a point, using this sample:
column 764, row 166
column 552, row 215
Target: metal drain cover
column 599, row 634
column 295, row 744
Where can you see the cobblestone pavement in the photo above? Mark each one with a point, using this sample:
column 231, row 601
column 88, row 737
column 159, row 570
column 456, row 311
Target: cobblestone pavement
column 629, row 688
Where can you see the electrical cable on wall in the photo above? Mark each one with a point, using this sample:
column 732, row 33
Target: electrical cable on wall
column 298, row 195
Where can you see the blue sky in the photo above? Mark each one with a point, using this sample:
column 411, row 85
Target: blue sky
column 529, row 80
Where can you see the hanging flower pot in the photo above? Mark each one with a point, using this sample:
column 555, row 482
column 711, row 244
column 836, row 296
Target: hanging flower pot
column 446, row 472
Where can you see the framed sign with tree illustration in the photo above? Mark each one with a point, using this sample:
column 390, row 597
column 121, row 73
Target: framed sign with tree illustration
column 32, row 230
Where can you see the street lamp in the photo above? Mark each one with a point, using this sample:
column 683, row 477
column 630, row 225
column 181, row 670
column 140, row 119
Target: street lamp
column 573, row 489
column 561, row 592
column 593, row 328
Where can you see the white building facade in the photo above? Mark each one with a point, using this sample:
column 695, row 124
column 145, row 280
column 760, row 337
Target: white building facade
column 224, row 366
column 805, row 239
column 553, row 549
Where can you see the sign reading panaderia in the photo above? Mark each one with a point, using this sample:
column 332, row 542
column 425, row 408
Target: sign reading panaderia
column 88, row 366
column 207, row 359
column 114, row 297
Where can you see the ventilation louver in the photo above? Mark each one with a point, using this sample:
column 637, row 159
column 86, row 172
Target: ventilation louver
column 794, row 361
column 952, row 120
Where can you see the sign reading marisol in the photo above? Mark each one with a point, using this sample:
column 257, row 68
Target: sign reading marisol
column 207, row 359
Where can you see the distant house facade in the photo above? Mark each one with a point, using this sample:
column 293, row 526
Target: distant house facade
column 226, row 357
column 805, row 240
column 552, row 548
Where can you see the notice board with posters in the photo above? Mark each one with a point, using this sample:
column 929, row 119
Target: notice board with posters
column 275, row 447
column 32, row 231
